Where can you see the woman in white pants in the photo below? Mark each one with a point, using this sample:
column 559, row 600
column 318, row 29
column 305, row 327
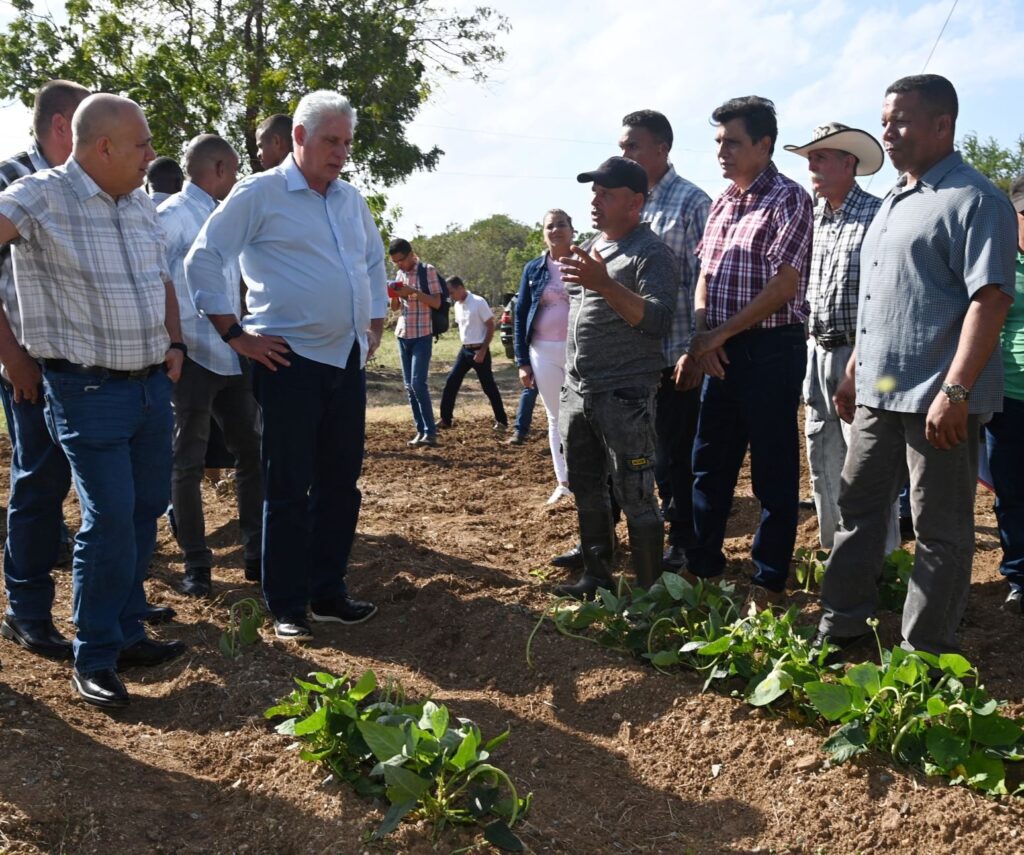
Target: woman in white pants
column 541, row 327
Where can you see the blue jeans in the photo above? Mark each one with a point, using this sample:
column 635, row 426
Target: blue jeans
column 524, row 411
column 40, row 480
column 755, row 405
column 415, row 353
column 1004, row 440
column 675, row 426
column 117, row 437
column 314, row 429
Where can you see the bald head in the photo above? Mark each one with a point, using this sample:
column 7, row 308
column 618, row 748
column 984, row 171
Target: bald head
column 101, row 115
column 112, row 142
column 212, row 164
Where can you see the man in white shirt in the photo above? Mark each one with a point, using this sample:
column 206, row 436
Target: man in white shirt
column 214, row 383
column 476, row 329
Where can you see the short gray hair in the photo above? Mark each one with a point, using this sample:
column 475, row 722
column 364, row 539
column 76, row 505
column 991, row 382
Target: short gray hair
column 316, row 106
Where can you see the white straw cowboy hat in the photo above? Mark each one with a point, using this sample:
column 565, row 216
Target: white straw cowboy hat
column 860, row 144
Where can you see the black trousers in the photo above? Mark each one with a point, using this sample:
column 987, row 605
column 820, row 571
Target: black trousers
column 463, row 363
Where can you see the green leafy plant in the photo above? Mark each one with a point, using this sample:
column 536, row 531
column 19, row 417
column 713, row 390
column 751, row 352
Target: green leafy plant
column 426, row 763
column 926, row 711
column 809, row 568
column 892, row 588
column 244, row 621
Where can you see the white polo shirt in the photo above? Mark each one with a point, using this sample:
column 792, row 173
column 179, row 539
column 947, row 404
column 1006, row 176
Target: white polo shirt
column 472, row 315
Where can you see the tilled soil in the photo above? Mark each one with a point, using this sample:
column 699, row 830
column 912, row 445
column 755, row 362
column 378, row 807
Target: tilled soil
column 453, row 545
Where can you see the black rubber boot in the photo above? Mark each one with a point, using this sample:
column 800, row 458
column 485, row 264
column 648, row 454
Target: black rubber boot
column 646, row 541
column 596, row 544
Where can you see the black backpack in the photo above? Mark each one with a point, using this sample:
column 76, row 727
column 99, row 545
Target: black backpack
column 439, row 321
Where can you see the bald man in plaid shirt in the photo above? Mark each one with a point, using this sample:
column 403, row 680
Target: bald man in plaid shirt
column 750, row 310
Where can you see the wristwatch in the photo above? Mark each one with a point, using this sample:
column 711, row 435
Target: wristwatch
column 179, row 345
column 956, row 393
column 234, row 331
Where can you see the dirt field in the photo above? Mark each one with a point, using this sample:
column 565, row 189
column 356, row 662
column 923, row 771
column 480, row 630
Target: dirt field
column 453, row 545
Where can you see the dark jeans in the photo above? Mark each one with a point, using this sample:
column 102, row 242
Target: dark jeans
column 524, row 411
column 415, row 355
column 610, row 434
column 117, row 437
column 675, row 426
column 40, row 480
column 464, row 361
column 1004, row 439
column 198, row 395
column 756, row 406
column 314, row 428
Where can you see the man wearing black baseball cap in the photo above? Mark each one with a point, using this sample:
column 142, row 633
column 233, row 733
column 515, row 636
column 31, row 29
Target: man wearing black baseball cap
column 1004, row 435
column 621, row 287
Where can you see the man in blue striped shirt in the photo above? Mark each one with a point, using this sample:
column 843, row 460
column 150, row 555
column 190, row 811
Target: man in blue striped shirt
column 313, row 264
column 214, row 381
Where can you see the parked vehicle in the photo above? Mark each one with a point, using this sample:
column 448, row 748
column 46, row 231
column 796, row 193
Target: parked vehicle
column 506, row 326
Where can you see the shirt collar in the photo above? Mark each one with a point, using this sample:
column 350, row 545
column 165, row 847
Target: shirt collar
column 665, row 181
column 852, row 200
column 81, row 182
column 933, row 177
column 39, row 161
column 198, row 194
column 759, row 184
column 295, row 180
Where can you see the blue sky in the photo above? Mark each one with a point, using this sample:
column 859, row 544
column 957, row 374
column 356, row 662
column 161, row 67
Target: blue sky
column 573, row 69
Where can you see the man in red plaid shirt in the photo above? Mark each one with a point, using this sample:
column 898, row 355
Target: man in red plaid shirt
column 750, row 309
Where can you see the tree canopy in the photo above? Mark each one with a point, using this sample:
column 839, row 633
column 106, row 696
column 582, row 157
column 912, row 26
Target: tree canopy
column 224, row 65
column 1000, row 165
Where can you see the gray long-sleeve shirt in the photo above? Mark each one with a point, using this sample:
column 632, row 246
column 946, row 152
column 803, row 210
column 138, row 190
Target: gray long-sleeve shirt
column 603, row 351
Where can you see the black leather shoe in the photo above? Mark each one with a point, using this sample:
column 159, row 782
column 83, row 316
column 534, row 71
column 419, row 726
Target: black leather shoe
column 37, row 636
column 843, row 642
column 196, row 582
column 158, row 614
column 100, row 688
column 293, row 629
column 341, row 610
column 571, row 560
column 149, row 652
column 674, row 558
column 253, row 570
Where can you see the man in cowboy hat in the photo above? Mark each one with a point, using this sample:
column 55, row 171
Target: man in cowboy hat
column 835, row 156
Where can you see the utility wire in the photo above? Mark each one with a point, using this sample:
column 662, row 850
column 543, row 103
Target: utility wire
column 939, row 37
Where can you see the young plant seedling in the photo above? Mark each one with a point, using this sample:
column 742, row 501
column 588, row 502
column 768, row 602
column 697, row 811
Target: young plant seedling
column 244, row 621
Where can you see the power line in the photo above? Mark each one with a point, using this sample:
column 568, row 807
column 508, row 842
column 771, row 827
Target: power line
column 939, row 37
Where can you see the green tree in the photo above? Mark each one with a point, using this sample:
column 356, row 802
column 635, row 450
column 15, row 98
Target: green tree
column 1000, row 165
column 197, row 65
column 479, row 254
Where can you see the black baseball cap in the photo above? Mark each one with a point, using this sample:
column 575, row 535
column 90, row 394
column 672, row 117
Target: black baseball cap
column 617, row 172
column 1017, row 194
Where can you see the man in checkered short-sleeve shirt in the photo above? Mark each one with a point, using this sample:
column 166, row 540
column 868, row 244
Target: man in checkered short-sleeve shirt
column 749, row 340
column 98, row 310
column 40, row 475
column 937, row 281
column 842, row 214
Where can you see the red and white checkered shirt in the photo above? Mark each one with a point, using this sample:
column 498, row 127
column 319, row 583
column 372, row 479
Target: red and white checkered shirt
column 415, row 321
column 747, row 238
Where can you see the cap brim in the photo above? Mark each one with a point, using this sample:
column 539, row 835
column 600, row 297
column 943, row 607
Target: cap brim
column 860, row 144
column 584, row 177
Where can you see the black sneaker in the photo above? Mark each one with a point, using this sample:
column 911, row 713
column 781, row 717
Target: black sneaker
column 427, row 439
column 847, row 644
column 293, row 629
column 1014, row 602
column 517, row 438
column 342, row 610
column 196, row 582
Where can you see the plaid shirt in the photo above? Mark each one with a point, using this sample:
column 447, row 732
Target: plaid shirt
column 415, row 321
column 182, row 216
column 835, row 260
column 748, row 236
column 12, row 170
column 90, row 271
column 677, row 211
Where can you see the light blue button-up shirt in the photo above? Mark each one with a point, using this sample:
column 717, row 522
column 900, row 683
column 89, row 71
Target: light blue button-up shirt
column 313, row 265
column 927, row 252
column 182, row 216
